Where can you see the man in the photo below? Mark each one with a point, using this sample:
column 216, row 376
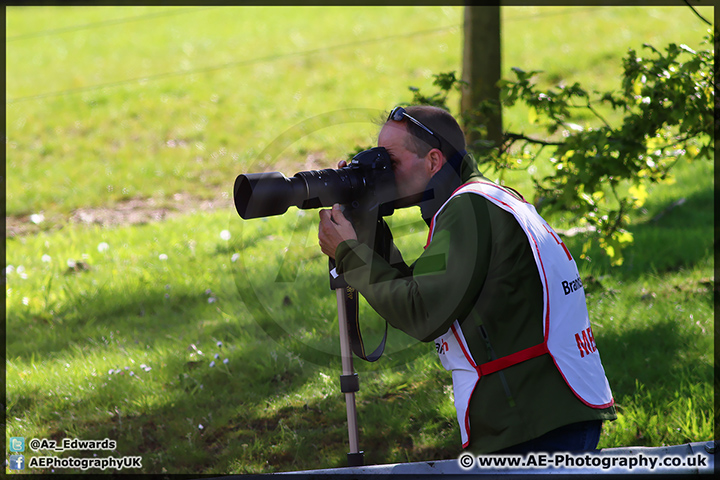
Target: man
column 495, row 288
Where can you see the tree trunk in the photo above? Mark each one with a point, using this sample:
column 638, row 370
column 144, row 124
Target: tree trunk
column 481, row 70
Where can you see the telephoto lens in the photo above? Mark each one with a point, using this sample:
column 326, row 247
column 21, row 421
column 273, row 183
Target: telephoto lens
column 366, row 183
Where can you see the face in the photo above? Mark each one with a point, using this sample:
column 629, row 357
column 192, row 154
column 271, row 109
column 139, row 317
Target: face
column 412, row 173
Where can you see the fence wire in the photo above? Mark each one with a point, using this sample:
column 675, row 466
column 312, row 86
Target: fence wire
column 233, row 64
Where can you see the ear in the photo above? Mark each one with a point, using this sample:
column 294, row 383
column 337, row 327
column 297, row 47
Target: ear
column 436, row 160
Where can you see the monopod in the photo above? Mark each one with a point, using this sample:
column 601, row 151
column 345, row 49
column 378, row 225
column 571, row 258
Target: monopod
column 349, row 381
column 348, row 304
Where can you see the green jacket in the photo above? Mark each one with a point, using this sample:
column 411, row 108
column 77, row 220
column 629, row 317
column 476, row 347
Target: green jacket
column 478, row 269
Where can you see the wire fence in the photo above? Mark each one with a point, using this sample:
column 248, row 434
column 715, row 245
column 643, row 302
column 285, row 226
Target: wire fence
column 105, row 23
column 236, row 63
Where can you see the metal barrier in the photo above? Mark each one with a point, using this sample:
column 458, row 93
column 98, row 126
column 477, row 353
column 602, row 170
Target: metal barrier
column 686, row 459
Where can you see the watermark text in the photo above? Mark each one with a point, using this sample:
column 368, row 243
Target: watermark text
column 589, row 461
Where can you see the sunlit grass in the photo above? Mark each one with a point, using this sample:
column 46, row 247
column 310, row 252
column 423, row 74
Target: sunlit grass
column 275, row 404
column 209, row 344
column 194, row 131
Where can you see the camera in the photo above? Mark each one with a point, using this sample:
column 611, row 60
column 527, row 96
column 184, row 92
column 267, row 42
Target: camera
column 366, row 184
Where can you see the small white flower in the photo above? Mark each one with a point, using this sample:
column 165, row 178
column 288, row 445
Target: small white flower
column 21, row 271
column 46, row 258
column 163, row 257
column 102, row 246
column 9, row 269
column 225, row 235
column 71, row 263
column 219, row 344
column 235, row 257
column 212, row 300
column 26, row 301
column 37, row 218
column 200, row 426
column 212, row 364
column 226, row 361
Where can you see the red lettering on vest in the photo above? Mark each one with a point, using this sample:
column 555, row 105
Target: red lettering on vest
column 581, row 345
column 586, row 344
column 591, row 337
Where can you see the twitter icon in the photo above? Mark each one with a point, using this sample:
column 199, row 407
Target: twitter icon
column 17, row 444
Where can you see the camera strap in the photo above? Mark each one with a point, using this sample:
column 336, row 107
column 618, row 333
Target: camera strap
column 352, row 314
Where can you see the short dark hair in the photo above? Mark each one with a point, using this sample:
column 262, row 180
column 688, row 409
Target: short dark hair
column 441, row 123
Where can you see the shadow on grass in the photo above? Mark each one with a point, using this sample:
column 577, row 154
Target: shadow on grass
column 191, row 423
column 653, row 356
column 241, row 410
column 240, row 432
column 101, row 319
column 658, row 384
column 255, row 417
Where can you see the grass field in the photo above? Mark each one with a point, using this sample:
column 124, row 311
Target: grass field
column 208, row 344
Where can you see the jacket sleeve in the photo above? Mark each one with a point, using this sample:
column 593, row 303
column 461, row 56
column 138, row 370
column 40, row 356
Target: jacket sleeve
column 423, row 301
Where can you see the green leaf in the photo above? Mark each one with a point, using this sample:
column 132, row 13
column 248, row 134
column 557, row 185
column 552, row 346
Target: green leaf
column 532, row 115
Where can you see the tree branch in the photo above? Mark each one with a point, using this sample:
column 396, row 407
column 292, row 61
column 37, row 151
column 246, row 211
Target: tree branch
column 696, row 13
column 518, row 136
column 595, row 112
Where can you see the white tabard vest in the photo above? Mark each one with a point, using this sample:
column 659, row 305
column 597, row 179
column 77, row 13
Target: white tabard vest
column 568, row 336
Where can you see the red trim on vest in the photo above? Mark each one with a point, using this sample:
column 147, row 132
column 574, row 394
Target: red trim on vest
column 430, row 233
column 513, row 359
column 546, row 288
column 542, row 266
column 591, row 405
column 528, row 353
column 432, row 220
column 470, row 360
column 559, row 242
column 523, row 355
column 462, row 347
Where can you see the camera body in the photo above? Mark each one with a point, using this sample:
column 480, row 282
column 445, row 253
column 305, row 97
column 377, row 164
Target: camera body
column 366, row 185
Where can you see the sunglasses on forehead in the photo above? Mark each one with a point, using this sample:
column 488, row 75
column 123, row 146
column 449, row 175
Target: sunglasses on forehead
column 398, row 113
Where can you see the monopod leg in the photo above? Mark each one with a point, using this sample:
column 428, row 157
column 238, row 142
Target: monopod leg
column 349, row 383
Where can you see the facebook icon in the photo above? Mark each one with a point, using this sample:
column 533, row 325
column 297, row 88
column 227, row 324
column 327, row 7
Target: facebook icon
column 17, row 462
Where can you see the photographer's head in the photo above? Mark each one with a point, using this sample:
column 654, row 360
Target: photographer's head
column 419, row 140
